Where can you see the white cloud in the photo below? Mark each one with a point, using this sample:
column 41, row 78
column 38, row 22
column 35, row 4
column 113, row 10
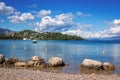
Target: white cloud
column 17, row 18
column 79, row 13
column 5, row 10
column 88, row 34
column 64, row 23
column 116, row 21
column 44, row 13
column 33, row 6
column 26, row 16
column 82, row 14
column 60, row 23
column 113, row 31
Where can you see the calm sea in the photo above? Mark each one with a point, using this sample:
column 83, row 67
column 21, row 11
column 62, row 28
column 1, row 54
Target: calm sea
column 72, row 52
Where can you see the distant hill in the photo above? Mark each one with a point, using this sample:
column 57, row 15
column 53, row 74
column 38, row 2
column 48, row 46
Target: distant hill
column 28, row 34
column 5, row 31
column 115, row 38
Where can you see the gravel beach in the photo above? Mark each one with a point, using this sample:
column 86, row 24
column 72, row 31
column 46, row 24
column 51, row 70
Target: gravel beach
column 25, row 74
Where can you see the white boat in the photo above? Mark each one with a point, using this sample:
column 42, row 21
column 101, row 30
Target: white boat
column 24, row 39
column 34, row 41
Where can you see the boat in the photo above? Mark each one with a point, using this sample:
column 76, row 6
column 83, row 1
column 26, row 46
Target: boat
column 24, row 38
column 34, row 41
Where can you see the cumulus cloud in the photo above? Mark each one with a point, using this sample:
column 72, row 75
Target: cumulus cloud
column 60, row 23
column 18, row 17
column 113, row 31
column 5, row 10
column 44, row 13
column 116, row 21
column 64, row 23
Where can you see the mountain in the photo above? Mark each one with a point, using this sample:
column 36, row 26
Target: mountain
column 110, row 39
column 5, row 31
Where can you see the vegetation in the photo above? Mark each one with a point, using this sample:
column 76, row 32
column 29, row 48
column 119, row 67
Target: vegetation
column 28, row 34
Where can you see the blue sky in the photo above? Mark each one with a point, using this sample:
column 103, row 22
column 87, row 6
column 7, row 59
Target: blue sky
column 86, row 18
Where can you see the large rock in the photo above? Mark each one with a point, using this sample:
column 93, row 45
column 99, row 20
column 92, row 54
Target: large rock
column 36, row 61
column 91, row 64
column 108, row 66
column 55, row 62
column 2, row 58
column 11, row 61
column 35, row 58
column 20, row 64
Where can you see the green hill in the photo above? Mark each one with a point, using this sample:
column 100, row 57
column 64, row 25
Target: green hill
column 28, row 34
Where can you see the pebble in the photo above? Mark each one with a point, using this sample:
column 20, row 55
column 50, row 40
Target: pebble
column 25, row 74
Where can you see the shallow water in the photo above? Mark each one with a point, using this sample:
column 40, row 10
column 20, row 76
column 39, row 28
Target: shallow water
column 72, row 52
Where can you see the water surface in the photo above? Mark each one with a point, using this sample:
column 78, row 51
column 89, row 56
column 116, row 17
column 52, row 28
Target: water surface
column 72, row 52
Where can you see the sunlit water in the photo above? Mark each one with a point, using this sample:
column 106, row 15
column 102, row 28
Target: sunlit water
column 72, row 52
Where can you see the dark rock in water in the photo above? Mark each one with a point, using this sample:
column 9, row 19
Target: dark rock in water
column 55, row 62
column 91, row 64
column 2, row 58
column 108, row 66
column 20, row 64
column 36, row 61
column 11, row 61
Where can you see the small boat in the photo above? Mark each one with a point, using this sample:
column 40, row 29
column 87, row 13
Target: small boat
column 24, row 39
column 34, row 41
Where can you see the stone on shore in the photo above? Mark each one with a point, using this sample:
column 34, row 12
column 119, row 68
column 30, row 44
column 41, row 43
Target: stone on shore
column 108, row 66
column 55, row 62
column 20, row 64
column 11, row 61
column 91, row 64
column 35, row 58
column 36, row 61
column 2, row 58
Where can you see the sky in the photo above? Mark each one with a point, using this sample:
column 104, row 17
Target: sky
column 85, row 18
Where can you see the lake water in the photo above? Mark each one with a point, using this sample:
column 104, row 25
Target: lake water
column 72, row 52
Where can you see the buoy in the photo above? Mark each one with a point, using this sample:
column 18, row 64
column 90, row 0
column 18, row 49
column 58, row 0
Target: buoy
column 46, row 49
column 14, row 46
column 24, row 48
column 103, row 52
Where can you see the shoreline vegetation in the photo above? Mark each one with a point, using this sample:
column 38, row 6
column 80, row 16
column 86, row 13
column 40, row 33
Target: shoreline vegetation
column 30, row 35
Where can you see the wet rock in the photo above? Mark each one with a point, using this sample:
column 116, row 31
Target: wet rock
column 108, row 66
column 11, row 61
column 35, row 58
column 36, row 61
column 30, row 63
column 2, row 58
column 56, row 61
column 91, row 64
column 20, row 64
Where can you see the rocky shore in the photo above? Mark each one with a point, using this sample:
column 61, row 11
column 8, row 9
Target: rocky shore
column 22, row 70
column 24, row 74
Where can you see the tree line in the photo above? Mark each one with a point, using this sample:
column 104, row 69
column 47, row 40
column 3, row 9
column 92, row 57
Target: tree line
column 28, row 34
